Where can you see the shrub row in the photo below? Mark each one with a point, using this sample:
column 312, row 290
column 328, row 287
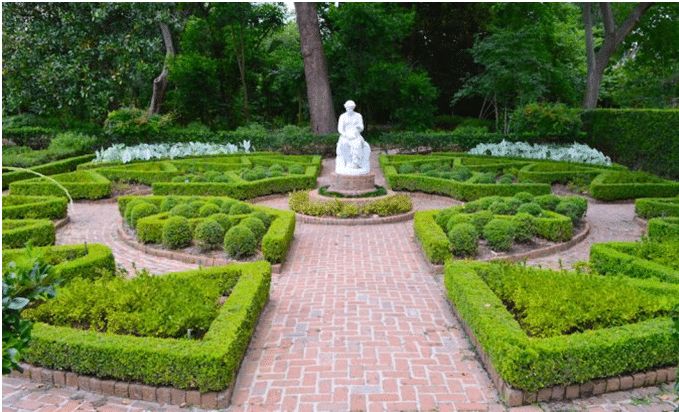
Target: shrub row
column 657, row 207
column 620, row 186
column 60, row 166
column 664, row 228
column 559, row 172
column 534, row 363
column 207, row 365
column 617, row 258
column 71, row 261
column 17, row 233
column 34, row 207
column 80, row 185
column 385, row 206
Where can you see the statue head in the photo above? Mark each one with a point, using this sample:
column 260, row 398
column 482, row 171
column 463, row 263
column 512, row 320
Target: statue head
column 350, row 105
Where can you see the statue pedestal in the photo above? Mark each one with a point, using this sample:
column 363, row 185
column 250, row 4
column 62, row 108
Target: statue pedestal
column 353, row 185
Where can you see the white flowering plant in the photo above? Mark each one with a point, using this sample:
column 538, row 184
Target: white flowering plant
column 126, row 154
column 569, row 153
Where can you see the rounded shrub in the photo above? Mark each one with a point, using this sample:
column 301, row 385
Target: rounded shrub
column 524, row 227
column 461, row 174
column 572, row 208
column 513, row 204
column 184, row 210
column 177, row 233
column 256, row 226
column 180, row 179
column 240, row 208
column 442, row 217
column 208, row 209
column 223, row 219
column 297, row 169
column 240, row 242
column 406, row 168
column 226, row 206
column 216, row 201
column 500, row 207
column 142, row 210
column 507, row 179
column 456, row 219
column 500, row 234
column 480, row 218
column 276, row 168
column 127, row 214
column 547, row 202
column 486, row 178
column 525, row 197
column 481, row 204
column 211, row 175
column 532, row 209
column 263, row 216
column 427, row 167
column 256, row 173
column 209, row 234
column 168, row 203
column 464, row 240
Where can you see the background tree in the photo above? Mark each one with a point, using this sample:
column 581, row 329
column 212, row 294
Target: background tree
column 322, row 113
column 532, row 52
column 613, row 37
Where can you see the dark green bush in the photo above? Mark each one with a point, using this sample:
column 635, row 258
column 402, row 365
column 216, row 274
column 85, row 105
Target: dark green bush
column 17, row 233
column 457, row 219
column 657, row 207
column 177, row 233
column 127, row 214
column 256, row 226
column 240, row 208
column 223, row 219
column 547, row 120
column 480, row 219
column 461, row 174
column 442, row 216
column 464, row 240
column 431, row 236
column 263, row 216
column 573, row 207
column 168, row 203
column 34, row 207
column 664, row 228
column 185, row 210
column 208, row 209
column 240, row 242
column 548, row 202
column 500, row 234
column 141, row 210
column 406, row 168
column 500, row 207
column 532, row 208
column 524, row 225
column 133, row 126
column 209, row 234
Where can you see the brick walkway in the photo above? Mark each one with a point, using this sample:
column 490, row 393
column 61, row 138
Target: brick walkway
column 355, row 322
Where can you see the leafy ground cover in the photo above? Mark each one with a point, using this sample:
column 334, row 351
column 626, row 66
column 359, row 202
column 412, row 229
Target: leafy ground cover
column 300, row 202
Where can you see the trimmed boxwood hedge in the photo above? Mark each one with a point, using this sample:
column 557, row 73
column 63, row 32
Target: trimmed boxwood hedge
column 533, row 363
column 664, row 228
column 657, row 207
column 98, row 257
column 34, row 207
column 145, row 173
column 60, row 166
column 207, row 365
column 17, row 233
column 80, row 185
column 617, row 258
column 606, row 187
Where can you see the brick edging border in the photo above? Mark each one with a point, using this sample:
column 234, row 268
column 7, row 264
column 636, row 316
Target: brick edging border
column 133, row 391
column 516, row 397
column 179, row 256
column 533, row 254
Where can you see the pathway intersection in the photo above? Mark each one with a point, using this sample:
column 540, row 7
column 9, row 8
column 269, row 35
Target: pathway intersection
column 355, row 322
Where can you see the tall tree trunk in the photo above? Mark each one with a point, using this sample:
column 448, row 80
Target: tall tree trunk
column 323, row 120
column 596, row 64
column 160, row 82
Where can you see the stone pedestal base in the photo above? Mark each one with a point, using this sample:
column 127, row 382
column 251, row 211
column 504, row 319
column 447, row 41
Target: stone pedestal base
column 353, row 185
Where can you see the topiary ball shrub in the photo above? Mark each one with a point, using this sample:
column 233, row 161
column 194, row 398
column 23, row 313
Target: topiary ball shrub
column 256, row 173
column 480, row 219
column 240, row 208
column 525, row 197
column 486, row 178
column 184, row 210
column 547, row 202
column 506, row 179
column 500, row 207
column 573, row 207
column 265, row 218
column 532, row 209
column 256, row 226
column 427, row 167
column 480, row 204
column 464, row 240
column 168, row 203
column 297, row 169
column 524, row 226
column 208, row 209
column 127, row 214
column 240, row 242
column 461, row 174
column 223, row 219
column 456, row 219
column 141, row 210
column 226, row 206
column 442, row 217
column 211, row 175
column 500, row 234
column 209, row 234
column 278, row 168
column 177, row 233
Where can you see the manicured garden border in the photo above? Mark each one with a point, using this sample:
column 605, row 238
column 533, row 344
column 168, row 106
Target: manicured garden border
column 614, row 258
column 600, row 189
column 16, row 233
column 34, row 207
column 208, row 365
column 527, row 370
column 656, row 207
column 81, row 184
column 60, row 166
column 663, row 228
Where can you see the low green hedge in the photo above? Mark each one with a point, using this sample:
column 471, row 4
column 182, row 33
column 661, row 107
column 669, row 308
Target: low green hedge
column 80, row 185
column 145, row 173
column 657, row 207
column 558, row 172
column 244, row 190
column 433, row 239
column 34, row 207
column 663, row 228
column 617, row 258
column 17, row 233
column 83, row 260
column 606, row 186
column 207, row 365
column 277, row 240
column 533, row 363
column 60, row 166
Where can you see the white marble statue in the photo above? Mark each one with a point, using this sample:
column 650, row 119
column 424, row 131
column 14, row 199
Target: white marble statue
column 353, row 153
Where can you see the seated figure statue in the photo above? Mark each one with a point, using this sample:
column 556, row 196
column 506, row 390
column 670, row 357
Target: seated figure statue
column 353, row 153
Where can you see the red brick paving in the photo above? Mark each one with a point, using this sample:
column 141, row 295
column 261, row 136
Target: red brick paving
column 355, row 322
